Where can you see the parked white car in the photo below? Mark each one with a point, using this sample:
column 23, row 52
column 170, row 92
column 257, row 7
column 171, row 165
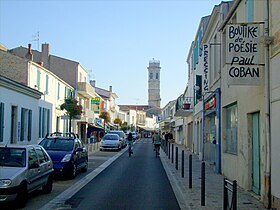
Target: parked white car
column 110, row 142
column 23, row 169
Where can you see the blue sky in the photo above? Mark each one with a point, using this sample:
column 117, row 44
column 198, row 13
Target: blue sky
column 113, row 40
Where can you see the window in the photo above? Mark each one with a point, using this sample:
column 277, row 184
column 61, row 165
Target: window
column 47, row 84
column 44, row 121
column 151, row 75
column 58, row 91
column 1, row 121
column 231, row 129
column 26, row 124
column 41, row 155
column 32, row 157
column 38, row 79
column 249, row 4
column 156, row 75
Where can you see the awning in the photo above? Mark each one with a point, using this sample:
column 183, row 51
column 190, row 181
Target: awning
column 111, row 125
column 91, row 128
column 146, row 128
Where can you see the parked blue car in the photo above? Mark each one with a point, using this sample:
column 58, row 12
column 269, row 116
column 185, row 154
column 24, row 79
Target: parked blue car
column 67, row 151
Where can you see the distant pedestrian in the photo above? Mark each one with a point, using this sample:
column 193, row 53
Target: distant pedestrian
column 166, row 137
column 156, row 141
column 170, row 138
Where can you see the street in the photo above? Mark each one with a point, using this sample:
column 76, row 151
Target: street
column 37, row 199
column 138, row 182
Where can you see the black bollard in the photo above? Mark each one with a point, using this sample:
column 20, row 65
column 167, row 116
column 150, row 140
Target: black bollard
column 234, row 195
column 190, row 171
column 169, row 150
column 203, row 184
column 172, row 154
column 183, row 165
column 176, row 158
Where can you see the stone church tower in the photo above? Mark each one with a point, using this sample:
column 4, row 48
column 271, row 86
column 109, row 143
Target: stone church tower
column 154, row 83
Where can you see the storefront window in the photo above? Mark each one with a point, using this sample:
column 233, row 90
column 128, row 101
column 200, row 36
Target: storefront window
column 231, row 129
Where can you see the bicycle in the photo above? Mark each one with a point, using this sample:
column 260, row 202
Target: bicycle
column 157, row 147
column 130, row 149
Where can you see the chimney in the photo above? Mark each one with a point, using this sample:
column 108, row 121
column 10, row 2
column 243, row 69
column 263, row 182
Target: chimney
column 29, row 55
column 110, row 88
column 92, row 83
column 45, row 55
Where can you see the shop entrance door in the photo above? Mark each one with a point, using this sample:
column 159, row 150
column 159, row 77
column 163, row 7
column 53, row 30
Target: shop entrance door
column 256, row 153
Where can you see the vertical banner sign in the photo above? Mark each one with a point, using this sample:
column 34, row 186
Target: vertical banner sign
column 243, row 54
column 95, row 103
column 205, row 67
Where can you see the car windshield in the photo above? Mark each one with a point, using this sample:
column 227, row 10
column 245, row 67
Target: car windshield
column 110, row 137
column 119, row 133
column 13, row 157
column 58, row 144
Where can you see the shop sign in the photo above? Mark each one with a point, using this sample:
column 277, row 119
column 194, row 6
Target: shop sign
column 205, row 67
column 210, row 104
column 95, row 100
column 243, row 54
column 98, row 120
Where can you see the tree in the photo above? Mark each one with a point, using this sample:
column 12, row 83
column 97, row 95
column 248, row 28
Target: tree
column 73, row 109
column 118, row 121
column 125, row 126
column 105, row 115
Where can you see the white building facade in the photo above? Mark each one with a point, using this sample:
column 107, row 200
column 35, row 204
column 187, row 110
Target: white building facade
column 19, row 113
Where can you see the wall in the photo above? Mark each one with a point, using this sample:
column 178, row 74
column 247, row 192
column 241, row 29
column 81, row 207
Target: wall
column 249, row 99
column 275, row 102
column 9, row 66
column 13, row 98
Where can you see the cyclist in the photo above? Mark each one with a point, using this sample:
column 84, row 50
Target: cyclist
column 157, row 142
column 130, row 139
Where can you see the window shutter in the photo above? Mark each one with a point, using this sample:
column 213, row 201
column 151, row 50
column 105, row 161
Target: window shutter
column 29, row 125
column 22, row 125
column 1, row 121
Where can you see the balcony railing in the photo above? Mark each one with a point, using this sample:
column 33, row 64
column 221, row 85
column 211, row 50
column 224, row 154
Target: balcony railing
column 184, row 106
column 86, row 90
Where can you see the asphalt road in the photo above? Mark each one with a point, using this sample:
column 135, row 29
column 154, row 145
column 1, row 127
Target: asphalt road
column 37, row 199
column 138, row 182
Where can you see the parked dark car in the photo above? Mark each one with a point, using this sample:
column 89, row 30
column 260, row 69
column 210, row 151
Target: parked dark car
column 68, row 153
column 122, row 135
column 23, row 169
column 110, row 142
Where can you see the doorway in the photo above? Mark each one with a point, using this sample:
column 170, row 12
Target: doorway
column 256, row 178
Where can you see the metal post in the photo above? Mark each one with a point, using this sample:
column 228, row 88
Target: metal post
column 234, row 195
column 172, row 153
column 190, row 171
column 183, row 165
column 225, row 195
column 169, row 150
column 203, row 184
column 176, row 158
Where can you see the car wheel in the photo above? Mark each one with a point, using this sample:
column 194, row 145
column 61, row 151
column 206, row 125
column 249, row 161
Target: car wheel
column 85, row 168
column 73, row 172
column 22, row 196
column 47, row 188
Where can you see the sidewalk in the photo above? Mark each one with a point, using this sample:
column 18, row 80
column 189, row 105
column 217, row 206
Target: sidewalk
column 190, row 198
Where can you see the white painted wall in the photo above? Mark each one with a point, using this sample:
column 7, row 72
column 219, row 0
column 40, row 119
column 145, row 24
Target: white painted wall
column 54, row 96
column 275, row 99
column 13, row 98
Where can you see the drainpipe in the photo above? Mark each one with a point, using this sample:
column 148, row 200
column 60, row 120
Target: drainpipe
column 267, row 172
